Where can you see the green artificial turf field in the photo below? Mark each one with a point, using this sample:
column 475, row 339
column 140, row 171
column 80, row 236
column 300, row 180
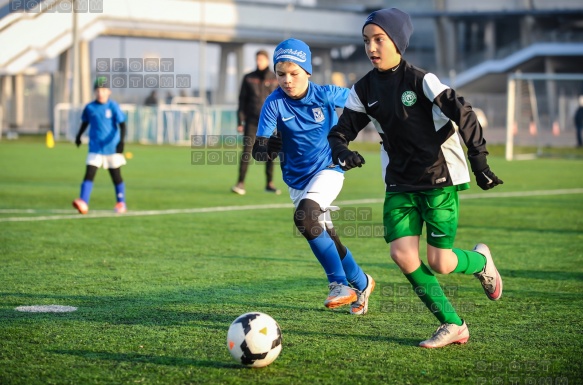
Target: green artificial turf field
column 156, row 289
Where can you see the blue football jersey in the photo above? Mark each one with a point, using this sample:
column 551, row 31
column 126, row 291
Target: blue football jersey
column 304, row 125
column 103, row 120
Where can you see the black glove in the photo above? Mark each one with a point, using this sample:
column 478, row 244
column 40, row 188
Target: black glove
column 486, row 179
column 119, row 147
column 349, row 159
column 274, row 145
column 78, row 141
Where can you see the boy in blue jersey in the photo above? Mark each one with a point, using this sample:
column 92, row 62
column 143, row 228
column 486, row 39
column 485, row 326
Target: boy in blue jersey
column 294, row 124
column 106, row 145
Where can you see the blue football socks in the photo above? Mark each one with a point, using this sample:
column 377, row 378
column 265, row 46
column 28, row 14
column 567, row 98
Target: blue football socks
column 354, row 273
column 86, row 188
column 120, row 192
column 325, row 251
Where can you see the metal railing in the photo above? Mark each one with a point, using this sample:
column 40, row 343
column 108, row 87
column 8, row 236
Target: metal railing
column 163, row 124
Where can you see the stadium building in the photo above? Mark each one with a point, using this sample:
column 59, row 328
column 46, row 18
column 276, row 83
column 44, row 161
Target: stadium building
column 202, row 48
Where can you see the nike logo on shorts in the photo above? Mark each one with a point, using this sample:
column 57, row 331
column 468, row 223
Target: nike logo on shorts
column 373, row 103
column 437, row 235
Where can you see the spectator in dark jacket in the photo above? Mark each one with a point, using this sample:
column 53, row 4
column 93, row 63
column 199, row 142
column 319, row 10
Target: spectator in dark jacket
column 255, row 88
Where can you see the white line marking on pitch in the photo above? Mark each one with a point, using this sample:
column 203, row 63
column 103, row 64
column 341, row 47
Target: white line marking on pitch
column 109, row 214
column 46, row 309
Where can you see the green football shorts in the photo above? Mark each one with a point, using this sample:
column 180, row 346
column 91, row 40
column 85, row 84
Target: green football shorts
column 404, row 214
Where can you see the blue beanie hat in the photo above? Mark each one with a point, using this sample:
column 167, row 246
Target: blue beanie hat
column 396, row 23
column 295, row 51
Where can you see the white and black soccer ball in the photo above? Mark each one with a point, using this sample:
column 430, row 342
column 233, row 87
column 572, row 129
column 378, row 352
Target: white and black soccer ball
column 254, row 339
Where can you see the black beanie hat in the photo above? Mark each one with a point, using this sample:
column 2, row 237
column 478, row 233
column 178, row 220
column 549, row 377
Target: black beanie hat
column 396, row 23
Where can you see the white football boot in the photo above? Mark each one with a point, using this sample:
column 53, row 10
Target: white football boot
column 447, row 334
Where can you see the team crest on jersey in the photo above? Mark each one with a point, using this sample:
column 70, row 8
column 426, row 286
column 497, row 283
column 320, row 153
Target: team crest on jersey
column 108, row 113
column 409, row 98
column 318, row 114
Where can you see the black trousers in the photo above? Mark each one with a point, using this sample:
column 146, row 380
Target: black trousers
column 246, row 158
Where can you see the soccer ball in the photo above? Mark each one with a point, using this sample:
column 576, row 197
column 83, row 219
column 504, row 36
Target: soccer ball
column 254, row 339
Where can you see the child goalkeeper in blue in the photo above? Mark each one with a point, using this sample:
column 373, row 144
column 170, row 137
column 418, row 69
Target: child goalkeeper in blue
column 294, row 123
column 106, row 145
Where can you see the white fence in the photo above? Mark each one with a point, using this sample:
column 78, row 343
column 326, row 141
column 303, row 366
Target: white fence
column 540, row 112
column 163, row 124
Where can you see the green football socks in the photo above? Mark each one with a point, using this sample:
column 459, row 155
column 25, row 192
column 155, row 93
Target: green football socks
column 469, row 262
column 427, row 288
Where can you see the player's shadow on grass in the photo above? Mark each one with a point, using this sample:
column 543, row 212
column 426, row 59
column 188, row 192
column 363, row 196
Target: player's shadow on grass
column 208, row 305
column 384, row 339
column 146, row 359
column 153, row 310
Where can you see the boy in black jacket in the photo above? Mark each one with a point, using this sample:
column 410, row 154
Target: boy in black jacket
column 424, row 166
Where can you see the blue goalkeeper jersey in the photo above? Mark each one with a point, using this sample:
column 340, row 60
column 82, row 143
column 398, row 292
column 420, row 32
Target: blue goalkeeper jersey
column 103, row 120
column 304, row 125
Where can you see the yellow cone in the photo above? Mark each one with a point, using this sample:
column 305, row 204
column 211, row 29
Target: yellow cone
column 50, row 139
